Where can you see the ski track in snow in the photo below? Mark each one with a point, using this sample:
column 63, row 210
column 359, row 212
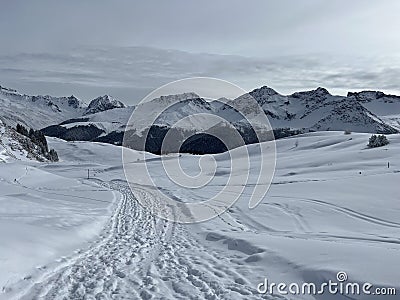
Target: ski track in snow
column 138, row 256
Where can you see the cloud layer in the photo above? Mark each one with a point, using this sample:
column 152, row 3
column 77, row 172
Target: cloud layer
column 129, row 73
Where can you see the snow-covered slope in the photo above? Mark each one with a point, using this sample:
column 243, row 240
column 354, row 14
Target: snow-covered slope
column 37, row 111
column 332, row 207
column 377, row 102
column 45, row 217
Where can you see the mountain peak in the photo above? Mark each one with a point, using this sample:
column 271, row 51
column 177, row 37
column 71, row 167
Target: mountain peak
column 264, row 95
column 264, row 90
column 319, row 92
column 73, row 101
column 176, row 97
column 103, row 103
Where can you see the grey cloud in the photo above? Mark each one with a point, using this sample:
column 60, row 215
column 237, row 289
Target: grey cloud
column 257, row 27
column 99, row 46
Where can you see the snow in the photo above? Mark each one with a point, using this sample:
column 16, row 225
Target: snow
column 10, row 148
column 392, row 120
column 109, row 121
column 45, row 216
column 74, row 238
column 103, row 103
column 319, row 110
column 37, row 111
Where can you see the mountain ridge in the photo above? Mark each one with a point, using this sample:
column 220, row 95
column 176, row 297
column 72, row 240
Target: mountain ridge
column 105, row 118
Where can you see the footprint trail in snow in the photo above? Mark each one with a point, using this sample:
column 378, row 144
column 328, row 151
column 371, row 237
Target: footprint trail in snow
column 142, row 257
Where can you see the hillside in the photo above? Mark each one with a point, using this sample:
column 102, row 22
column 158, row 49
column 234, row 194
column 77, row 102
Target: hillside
column 320, row 216
column 29, row 146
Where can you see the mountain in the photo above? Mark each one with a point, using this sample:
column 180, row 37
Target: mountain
column 168, row 110
column 377, row 102
column 103, row 103
column 43, row 111
column 64, row 117
column 159, row 113
column 189, row 114
column 105, row 119
column 318, row 110
column 37, row 111
column 387, row 107
column 105, row 126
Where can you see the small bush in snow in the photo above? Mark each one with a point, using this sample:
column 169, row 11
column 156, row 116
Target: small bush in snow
column 377, row 141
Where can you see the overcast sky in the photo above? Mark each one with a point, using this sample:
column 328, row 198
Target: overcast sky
column 126, row 48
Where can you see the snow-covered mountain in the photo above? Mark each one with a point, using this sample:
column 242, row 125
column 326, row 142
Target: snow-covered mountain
column 387, row 107
column 103, row 103
column 168, row 110
column 318, row 110
column 42, row 111
column 377, row 102
column 162, row 112
column 189, row 114
column 37, row 111
column 105, row 119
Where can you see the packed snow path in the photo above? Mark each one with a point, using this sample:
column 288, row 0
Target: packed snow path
column 142, row 257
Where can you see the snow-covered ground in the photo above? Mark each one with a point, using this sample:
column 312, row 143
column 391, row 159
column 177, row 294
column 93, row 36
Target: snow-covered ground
column 333, row 206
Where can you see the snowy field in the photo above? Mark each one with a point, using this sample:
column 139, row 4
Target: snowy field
column 333, row 206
